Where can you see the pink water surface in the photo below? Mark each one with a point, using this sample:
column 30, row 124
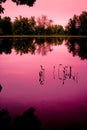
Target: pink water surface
column 19, row 76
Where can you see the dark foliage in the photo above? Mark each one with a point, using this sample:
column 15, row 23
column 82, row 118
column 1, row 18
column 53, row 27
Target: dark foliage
column 27, row 121
column 78, row 47
column 18, row 2
column 28, row 45
column 77, row 25
column 0, row 87
column 24, row 2
column 5, row 46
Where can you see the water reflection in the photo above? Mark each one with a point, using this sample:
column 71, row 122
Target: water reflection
column 28, row 120
column 42, row 75
column 24, row 46
column 54, row 72
column 29, row 45
column 21, row 77
column 6, row 46
column 65, row 72
column 76, row 46
column 0, row 88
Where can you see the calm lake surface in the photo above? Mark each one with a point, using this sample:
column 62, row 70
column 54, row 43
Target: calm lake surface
column 49, row 74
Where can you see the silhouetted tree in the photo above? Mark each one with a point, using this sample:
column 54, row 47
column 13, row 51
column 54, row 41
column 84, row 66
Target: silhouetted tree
column 72, row 27
column 42, row 24
column 5, row 26
column 24, row 26
column 1, row 8
column 5, row 119
column 32, row 24
column 55, row 29
column 83, row 23
column 18, row 2
column 27, row 121
column 77, row 25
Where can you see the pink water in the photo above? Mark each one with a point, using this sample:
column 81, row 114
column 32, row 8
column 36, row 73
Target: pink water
column 54, row 98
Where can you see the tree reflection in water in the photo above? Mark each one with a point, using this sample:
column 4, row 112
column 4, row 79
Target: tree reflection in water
column 6, row 45
column 28, row 45
column 76, row 46
column 27, row 121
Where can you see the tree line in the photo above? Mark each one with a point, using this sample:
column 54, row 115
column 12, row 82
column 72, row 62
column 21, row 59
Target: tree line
column 29, row 26
column 43, row 26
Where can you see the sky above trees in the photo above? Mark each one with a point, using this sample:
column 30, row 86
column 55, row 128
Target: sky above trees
column 60, row 11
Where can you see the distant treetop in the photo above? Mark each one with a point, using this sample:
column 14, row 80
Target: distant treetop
column 18, row 2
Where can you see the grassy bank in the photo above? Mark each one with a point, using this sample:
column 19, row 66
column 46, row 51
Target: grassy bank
column 49, row 36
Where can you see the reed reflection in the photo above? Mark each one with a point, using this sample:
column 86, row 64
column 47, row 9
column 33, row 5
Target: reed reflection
column 41, row 75
column 54, row 72
column 65, row 72
column 0, row 87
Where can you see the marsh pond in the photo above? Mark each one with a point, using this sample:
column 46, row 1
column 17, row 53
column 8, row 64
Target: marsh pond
column 48, row 75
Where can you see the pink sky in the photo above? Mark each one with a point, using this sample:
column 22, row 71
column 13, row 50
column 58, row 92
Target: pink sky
column 58, row 10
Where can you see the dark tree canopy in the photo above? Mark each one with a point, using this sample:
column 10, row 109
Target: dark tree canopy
column 78, row 24
column 24, row 2
column 18, row 2
column 1, row 8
